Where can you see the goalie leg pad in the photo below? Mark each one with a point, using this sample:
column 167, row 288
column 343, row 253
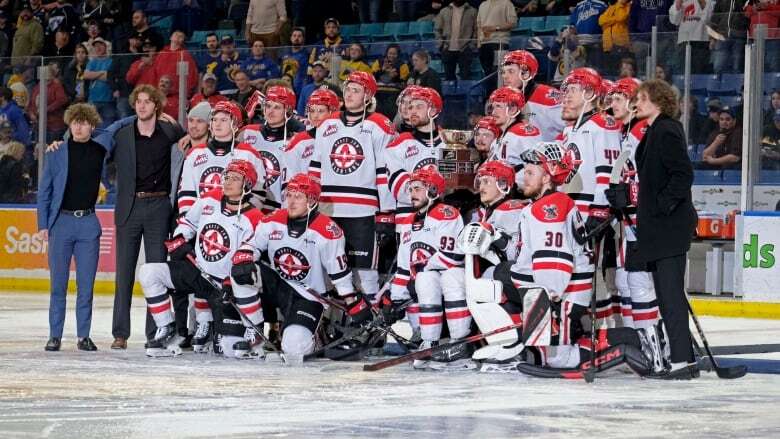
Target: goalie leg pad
column 537, row 316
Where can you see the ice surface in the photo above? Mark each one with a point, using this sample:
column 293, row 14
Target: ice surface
column 124, row 394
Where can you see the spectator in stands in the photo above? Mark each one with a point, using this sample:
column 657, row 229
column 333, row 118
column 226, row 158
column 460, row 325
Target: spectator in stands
column 76, row 86
column 692, row 16
column 37, row 9
column 208, row 91
column 93, row 32
column 774, row 106
column 456, row 29
column 244, row 86
column 391, row 74
column 7, row 30
column 28, row 39
column 264, row 21
column 567, row 53
column 100, row 88
column 641, row 20
column 724, row 145
column 422, row 75
column 142, row 30
column 429, row 10
column 62, row 15
column 585, row 19
column 208, row 59
column 6, row 137
column 166, row 64
column 697, row 123
column 615, row 39
column 62, row 49
column 531, row 8
column 56, row 102
column 767, row 12
column 295, row 60
column 369, row 10
column 406, row 9
column 713, row 115
column 119, row 68
column 229, row 62
column 13, row 181
column 319, row 72
column 144, row 69
column 770, row 144
column 728, row 29
column 11, row 112
column 258, row 68
column 167, row 88
column 354, row 61
column 495, row 18
column 662, row 73
column 330, row 44
column 103, row 12
column 627, row 68
column 558, row 7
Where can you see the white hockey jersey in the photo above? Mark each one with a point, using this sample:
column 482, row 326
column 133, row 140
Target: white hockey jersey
column 298, row 155
column 304, row 261
column 596, row 144
column 218, row 231
column 349, row 160
column 516, row 140
column 543, row 110
column 429, row 241
column 505, row 218
column 203, row 168
column 549, row 253
column 409, row 152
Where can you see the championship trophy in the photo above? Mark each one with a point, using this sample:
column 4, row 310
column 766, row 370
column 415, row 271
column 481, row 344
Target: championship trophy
column 457, row 162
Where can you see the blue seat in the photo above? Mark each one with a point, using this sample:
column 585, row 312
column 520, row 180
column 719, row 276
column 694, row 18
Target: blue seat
column 199, row 37
column 417, row 31
column 700, row 82
column 706, row 177
column 678, row 81
column 523, row 27
column 391, row 31
column 377, row 50
column 732, row 176
column 436, row 66
column 476, row 69
column 449, row 88
column 430, row 46
column 737, row 80
column 348, row 30
column 771, row 82
column 769, row 177
column 222, row 32
column 156, row 5
column 517, row 41
column 731, row 100
column 368, row 30
column 535, row 23
column 557, row 22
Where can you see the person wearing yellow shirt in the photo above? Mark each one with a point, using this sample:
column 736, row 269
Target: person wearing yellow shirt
column 355, row 62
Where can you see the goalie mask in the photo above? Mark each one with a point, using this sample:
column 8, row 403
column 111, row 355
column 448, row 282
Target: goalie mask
column 556, row 160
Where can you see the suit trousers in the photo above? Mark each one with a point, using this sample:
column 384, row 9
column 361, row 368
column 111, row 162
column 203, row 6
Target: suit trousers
column 669, row 280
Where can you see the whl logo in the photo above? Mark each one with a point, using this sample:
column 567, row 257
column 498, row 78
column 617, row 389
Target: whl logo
column 757, row 256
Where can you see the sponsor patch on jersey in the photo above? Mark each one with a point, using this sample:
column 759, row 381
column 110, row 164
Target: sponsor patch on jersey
column 210, row 179
column 214, row 242
column 200, row 159
column 207, row 210
column 276, row 235
column 291, row 264
column 411, row 151
column 577, row 160
column 550, row 211
column 406, row 237
column 250, row 138
column 330, row 130
column 308, row 151
column 420, row 252
column 272, row 168
column 346, row 156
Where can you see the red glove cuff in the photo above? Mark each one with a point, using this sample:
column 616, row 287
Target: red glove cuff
column 243, row 257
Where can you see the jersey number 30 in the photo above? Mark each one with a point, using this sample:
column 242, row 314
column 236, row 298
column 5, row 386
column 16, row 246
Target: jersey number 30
column 554, row 239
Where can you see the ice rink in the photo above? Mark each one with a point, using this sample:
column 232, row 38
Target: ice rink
column 124, row 394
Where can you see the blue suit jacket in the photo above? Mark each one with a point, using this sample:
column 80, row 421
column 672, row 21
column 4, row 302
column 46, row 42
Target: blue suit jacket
column 51, row 184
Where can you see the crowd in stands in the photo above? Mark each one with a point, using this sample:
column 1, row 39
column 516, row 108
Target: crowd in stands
column 97, row 51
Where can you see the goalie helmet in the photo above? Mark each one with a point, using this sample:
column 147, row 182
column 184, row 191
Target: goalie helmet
column 556, row 160
column 305, row 184
column 245, row 169
column 523, row 58
column 323, row 96
column 500, row 170
column 586, row 78
column 232, row 109
column 281, row 95
column 432, row 179
column 430, row 96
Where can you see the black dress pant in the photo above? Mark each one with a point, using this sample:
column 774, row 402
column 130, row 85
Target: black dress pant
column 669, row 280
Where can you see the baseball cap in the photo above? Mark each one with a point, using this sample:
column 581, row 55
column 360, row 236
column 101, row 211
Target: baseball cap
column 714, row 104
column 332, row 20
column 201, row 111
column 209, row 76
column 226, row 39
column 100, row 40
column 320, row 63
column 728, row 110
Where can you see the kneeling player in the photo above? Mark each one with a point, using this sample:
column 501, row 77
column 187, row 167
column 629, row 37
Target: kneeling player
column 219, row 221
column 303, row 246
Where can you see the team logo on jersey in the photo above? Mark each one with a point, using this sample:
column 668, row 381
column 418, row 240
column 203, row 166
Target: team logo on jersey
column 447, row 211
column 577, row 160
column 291, row 264
column 214, row 242
column 420, row 252
column 211, row 179
column 554, row 94
column 200, row 159
column 411, row 151
column 550, row 211
column 334, row 230
column 207, row 210
column 417, row 226
column 346, row 156
column 609, row 121
column 331, row 129
column 272, row 168
column 426, row 163
column 276, row 235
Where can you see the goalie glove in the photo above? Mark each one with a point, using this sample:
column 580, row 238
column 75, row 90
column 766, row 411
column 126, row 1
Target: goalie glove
column 244, row 270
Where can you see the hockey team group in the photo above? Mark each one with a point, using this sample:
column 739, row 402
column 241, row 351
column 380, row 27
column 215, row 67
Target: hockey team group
column 331, row 234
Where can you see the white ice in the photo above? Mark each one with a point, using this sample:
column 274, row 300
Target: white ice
column 124, row 394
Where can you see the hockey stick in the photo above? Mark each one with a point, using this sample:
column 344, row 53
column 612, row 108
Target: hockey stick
column 727, row 373
column 590, row 373
column 746, row 349
column 425, row 353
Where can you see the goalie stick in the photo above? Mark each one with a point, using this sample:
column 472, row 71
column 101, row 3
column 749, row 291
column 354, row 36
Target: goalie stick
column 727, row 373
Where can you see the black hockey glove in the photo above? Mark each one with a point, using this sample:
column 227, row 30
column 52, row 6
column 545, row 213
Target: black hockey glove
column 596, row 217
column 499, row 245
column 227, row 291
column 178, row 248
column 385, row 229
column 392, row 310
column 617, row 195
column 244, row 270
column 358, row 308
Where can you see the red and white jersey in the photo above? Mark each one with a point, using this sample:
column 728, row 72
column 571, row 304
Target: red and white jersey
column 516, row 140
column 349, row 160
column 270, row 143
column 298, row 154
column 549, row 253
column 505, row 218
column 630, row 174
column 596, row 144
column 429, row 241
column 409, row 152
column 218, row 231
column 203, row 168
column 304, row 259
column 543, row 110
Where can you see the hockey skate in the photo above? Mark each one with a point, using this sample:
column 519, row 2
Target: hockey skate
column 423, row 363
column 201, row 341
column 249, row 347
column 458, row 357
column 165, row 343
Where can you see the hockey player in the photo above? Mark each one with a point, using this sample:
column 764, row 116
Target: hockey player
column 270, row 140
column 349, row 160
column 427, row 249
column 219, row 221
column 505, row 105
column 303, row 246
column 416, row 149
column 543, row 103
column 321, row 104
column 402, row 102
column 639, row 306
column 486, row 131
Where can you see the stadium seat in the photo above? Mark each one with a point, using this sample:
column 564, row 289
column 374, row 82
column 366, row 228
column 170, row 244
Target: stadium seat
column 199, row 37
column 476, row 69
column 769, row 177
column 449, row 88
column 523, row 27
column 679, row 81
column 349, row 30
column 732, row 176
column 700, row 82
column 707, row 177
column 557, row 22
column 367, row 32
column 156, row 5
column 376, row 50
column 771, row 82
column 731, row 100
column 517, row 41
column 432, row 47
column 436, row 66
column 391, row 31
column 536, row 23
column 222, row 32
column 418, row 30
column 735, row 79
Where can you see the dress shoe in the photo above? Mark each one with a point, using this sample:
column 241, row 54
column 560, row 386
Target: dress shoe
column 186, row 344
column 53, row 344
column 85, row 344
column 119, row 343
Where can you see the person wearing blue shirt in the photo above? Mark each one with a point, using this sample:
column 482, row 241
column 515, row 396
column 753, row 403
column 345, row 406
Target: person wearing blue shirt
column 11, row 112
column 585, row 19
column 209, row 56
column 229, row 62
column 259, row 67
column 295, row 60
column 100, row 91
column 319, row 73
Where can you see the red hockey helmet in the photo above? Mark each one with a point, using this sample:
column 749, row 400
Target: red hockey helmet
column 430, row 96
column 246, row 169
column 554, row 158
column 509, row 96
column 431, row 178
column 305, row 184
column 406, row 92
column 488, row 123
column 281, row 95
column 501, row 170
column 363, row 79
column 323, row 96
column 232, row 109
column 523, row 58
column 586, row 78
column 626, row 86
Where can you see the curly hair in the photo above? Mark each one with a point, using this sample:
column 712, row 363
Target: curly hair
column 155, row 95
column 82, row 113
column 662, row 95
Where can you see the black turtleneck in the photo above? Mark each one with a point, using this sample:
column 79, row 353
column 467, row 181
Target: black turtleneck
column 296, row 226
column 425, row 138
column 219, row 147
column 347, row 113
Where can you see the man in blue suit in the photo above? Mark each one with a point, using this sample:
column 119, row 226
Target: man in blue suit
column 67, row 193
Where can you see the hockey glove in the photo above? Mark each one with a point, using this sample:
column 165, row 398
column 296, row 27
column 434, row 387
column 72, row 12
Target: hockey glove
column 244, row 270
column 178, row 248
column 499, row 244
column 392, row 310
column 618, row 196
column 227, row 291
column 596, row 217
column 358, row 308
column 385, row 229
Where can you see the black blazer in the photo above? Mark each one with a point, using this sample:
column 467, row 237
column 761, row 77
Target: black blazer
column 124, row 157
column 666, row 218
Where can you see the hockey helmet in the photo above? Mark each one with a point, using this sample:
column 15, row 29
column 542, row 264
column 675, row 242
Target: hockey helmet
column 523, row 58
column 432, row 179
column 509, row 96
column 500, row 170
column 323, row 96
column 245, row 169
column 281, row 95
column 488, row 123
column 365, row 80
column 232, row 109
column 305, row 184
column 431, row 97
column 626, row 86
column 554, row 158
column 586, row 77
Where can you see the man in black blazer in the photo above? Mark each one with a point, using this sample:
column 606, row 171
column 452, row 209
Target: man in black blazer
column 142, row 154
column 666, row 218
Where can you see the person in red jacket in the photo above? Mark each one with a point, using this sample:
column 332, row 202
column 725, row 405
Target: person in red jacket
column 167, row 61
column 56, row 101
column 208, row 91
column 144, row 70
column 767, row 12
